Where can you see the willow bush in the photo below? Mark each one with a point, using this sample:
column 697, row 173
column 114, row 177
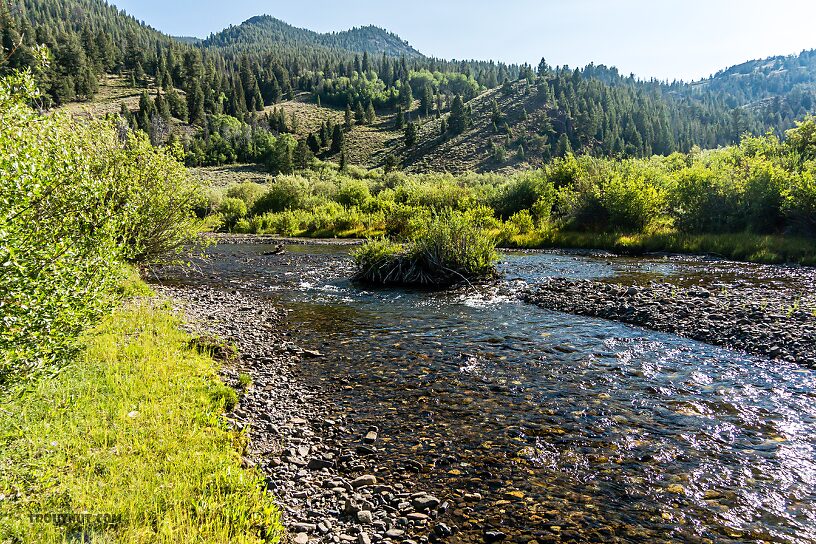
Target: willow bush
column 78, row 198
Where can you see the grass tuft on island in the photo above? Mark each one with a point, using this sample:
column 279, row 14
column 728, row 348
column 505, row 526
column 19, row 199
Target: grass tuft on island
column 451, row 250
column 128, row 444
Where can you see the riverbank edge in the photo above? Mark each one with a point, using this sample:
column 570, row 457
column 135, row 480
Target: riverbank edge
column 325, row 472
column 733, row 319
column 749, row 248
column 121, row 442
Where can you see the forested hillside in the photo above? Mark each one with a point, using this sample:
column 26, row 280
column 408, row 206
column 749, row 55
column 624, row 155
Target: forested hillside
column 265, row 33
column 228, row 98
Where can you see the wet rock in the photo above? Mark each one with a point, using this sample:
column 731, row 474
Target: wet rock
column 425, row 502
column 364, row 481
column 319, row 464
column 492, row 536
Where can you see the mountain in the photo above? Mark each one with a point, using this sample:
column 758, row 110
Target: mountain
column 519, row 116
column 265, row 32
column 778, row 90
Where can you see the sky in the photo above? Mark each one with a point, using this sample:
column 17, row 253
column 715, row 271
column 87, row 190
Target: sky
column 663, row 39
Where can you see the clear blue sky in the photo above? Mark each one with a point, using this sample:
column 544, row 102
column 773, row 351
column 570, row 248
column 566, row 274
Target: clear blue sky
column 667, row 39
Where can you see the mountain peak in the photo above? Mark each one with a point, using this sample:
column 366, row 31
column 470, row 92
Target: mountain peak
column 271, row 31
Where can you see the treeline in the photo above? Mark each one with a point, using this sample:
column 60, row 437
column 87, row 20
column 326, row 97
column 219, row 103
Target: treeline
column 253, row 66
column 764, row 186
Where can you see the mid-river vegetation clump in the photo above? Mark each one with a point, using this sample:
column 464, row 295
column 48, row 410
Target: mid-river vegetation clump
column 111, row 425
column 755, row 201
column 450, row 250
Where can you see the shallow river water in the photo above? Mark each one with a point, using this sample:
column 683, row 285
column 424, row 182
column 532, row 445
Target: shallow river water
column 570, row 428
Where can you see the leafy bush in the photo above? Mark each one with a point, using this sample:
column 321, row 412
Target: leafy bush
column 248, row 192
column 285, row 193
column 452, row 249
column 522, row 221
column 353, row 193
column 232, row 210
column 76, row 200
column 630, row 199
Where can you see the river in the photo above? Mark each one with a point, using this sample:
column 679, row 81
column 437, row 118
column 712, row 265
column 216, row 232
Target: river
column 555, row 427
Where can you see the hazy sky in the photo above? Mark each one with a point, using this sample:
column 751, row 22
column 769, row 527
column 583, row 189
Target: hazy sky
column 667, row 39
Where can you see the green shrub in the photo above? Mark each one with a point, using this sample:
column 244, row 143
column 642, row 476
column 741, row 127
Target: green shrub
column 353, row 193
column 522, row 221
column 248, row 191
column 452, row 249
column 800, row 201
column 75, row 201
column 232, row 210
column 285, row 193
column 630, row 199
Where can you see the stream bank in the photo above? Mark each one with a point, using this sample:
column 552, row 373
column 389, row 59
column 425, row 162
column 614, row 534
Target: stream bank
column 521, row 423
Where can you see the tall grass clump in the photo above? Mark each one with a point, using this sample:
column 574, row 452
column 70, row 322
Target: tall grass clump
column 451, row 250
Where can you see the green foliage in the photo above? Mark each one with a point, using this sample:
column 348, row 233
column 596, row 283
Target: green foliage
column 76, row 200
column 285, row 193
column 353, row 193
column 761, row 186
column 449, row 250
column 232, row 210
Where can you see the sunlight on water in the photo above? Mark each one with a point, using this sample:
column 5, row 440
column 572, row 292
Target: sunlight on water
column 652, row 436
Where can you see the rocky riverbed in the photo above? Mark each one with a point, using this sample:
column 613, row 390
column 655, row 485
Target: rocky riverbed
column 468, row 416
column 323, row 469
column 771, row 323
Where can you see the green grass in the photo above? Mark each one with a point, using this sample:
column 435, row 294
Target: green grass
column 450, row 250
column 740, row 247
column 132, row 428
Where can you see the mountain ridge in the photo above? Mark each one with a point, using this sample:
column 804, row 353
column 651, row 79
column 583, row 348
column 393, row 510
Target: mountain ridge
column 269, row 30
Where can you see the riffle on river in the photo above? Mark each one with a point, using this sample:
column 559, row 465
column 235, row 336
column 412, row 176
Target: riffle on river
column 555, row 427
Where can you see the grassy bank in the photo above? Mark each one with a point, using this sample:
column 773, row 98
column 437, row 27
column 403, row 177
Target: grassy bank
column 133, row 429
column 738, row 247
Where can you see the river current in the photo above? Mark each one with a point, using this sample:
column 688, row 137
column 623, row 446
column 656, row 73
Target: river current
column 556, row 427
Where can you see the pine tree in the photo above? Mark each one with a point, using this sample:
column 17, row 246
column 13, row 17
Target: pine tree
column 313, row 143
column 162, row 107
column 343, row 160
column 406, row 96
column 458, row 121
column 349, row 118
column 195, row 104
column 563, row 146
column 427, row 99
column 366, row 64
column 338, row 139
column 359, row 113
column 410, row 134
column 399, row 122
column 370, row 114
column 303, row 155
